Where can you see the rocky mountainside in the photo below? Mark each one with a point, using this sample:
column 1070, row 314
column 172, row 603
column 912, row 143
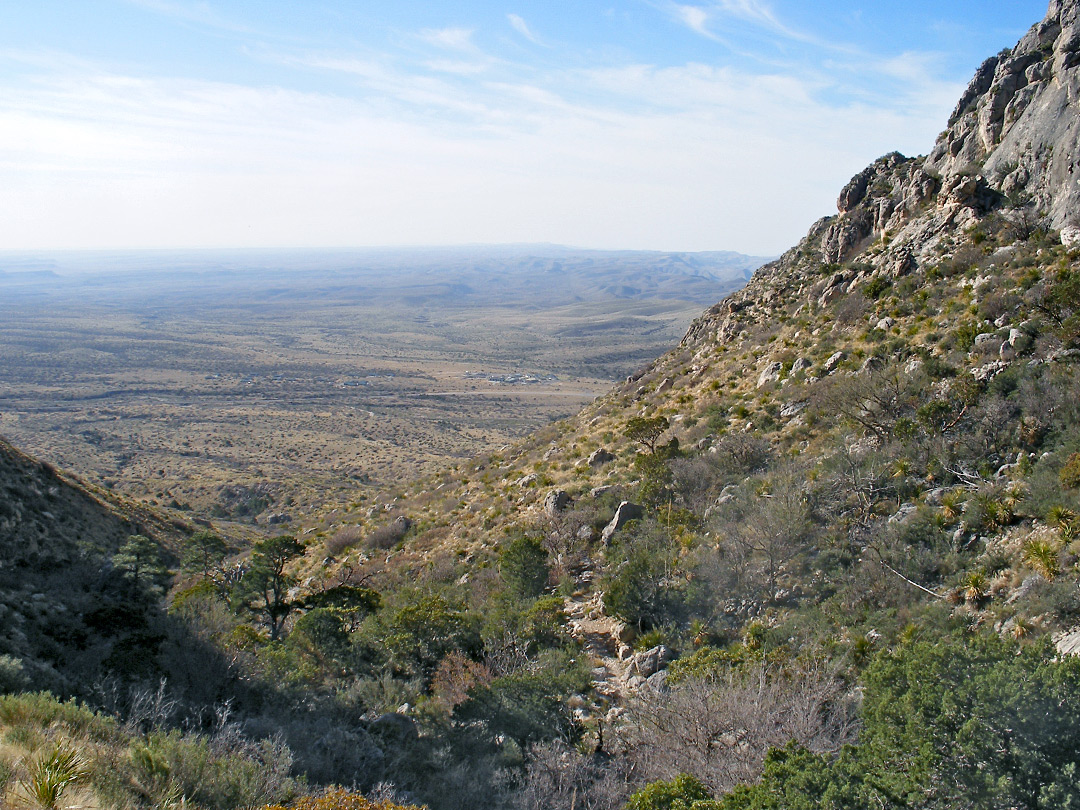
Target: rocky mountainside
column 991, row 202
column 65, row 611
column 46, row 517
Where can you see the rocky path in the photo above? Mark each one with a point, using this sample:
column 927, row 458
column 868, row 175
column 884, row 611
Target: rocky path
column 617, row 672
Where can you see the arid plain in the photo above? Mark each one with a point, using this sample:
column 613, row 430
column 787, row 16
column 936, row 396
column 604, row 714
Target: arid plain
column 264, row 386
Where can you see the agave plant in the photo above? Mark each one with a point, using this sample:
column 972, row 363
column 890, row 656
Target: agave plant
column 51, row 775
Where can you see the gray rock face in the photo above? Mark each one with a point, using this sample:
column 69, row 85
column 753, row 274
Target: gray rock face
column 771, row 373
column 1020, row 109
column 600, row 457
column 1012, row 146
column 624, row 514
column 556, row 501
column 648, row 663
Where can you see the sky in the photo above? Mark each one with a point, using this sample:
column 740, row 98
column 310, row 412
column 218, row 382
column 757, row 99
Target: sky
column 629, row 124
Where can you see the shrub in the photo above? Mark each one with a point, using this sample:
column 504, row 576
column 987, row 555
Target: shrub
column 342, row 799
column 523, row 566
column 684, row 792
column 1070, row 472
column 343, row 539
column 386, row 537
column 419, row 635
column 637, row 589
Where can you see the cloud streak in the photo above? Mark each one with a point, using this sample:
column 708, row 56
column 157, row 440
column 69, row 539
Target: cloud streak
column 441, row 139
column 522, row 27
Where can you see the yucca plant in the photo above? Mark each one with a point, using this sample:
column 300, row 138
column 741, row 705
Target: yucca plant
column 1021, row 628
column 952, row 505
column 975, row 586
column 1014, row 495
column 996, row 510
column 51, row 775
column 1066, row 522
column 1041, row 556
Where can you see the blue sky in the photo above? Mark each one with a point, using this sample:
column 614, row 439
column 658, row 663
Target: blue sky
column 646, row 124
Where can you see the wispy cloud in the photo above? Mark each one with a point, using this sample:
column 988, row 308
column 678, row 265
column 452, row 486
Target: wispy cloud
column 522, row 27
column 438, row 136
column 696, row 18
column 711, row 18
column 453, row 38
column 690, row 156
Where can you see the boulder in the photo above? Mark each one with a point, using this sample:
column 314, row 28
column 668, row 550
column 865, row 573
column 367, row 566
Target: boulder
column 624, row 514
column 623, row 632
column 934, row 496
column 771, row 373
column 665, row 385
column 651, row 661
column 832, row 363
column 1070, row 236
column 600, row 456
column 792, row 409
column 556, row 501
column 727, row 495
column 989, row 371
column 657, row 682
column 902, row 514
column 1068, row 643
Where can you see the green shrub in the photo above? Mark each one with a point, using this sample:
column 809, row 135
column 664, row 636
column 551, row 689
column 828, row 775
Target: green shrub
column 524, row 568
column 1070, row 472
column 684, row 792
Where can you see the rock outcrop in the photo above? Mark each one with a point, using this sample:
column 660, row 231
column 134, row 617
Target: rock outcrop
column 1012, row 147
column 1019, row 109
column 624, row 514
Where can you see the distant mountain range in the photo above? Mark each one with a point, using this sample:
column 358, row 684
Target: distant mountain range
column 470, row 275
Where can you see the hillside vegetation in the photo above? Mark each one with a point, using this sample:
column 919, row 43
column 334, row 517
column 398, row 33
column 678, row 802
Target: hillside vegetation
column 824, row 553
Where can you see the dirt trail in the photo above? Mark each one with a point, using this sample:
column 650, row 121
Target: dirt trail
column 600, row 636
